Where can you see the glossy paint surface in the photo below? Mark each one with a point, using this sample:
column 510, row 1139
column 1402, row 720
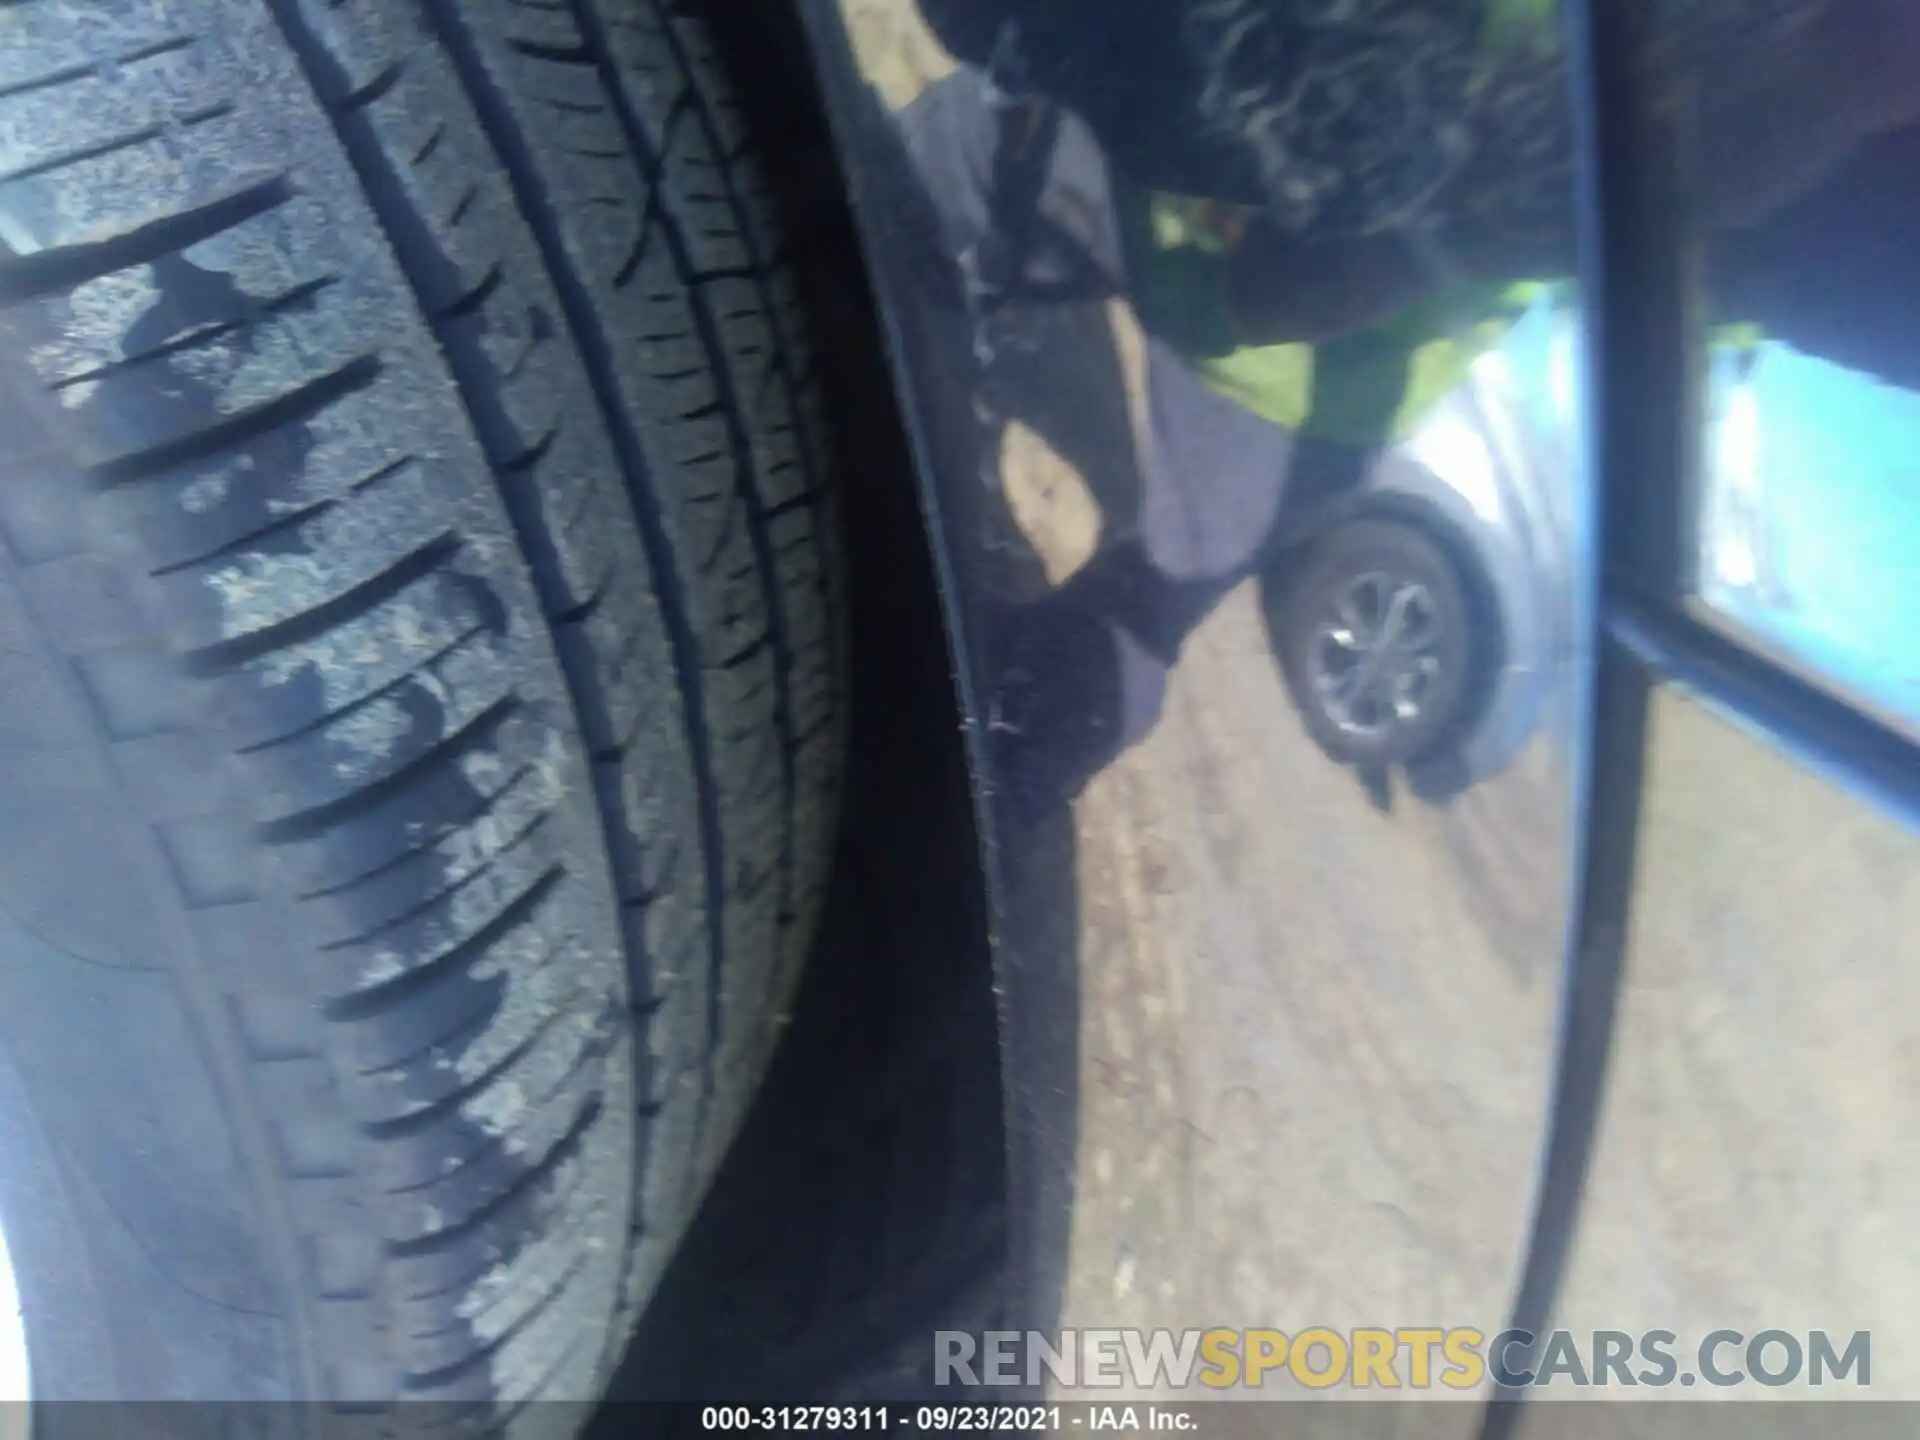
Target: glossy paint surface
column 1285, row 993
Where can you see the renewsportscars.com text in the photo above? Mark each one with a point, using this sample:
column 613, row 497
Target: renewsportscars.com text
column 1419, row 1358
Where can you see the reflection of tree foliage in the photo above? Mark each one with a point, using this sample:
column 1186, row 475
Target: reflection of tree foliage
column 1362, row 117
column 1354, row 112
column 1736, row 42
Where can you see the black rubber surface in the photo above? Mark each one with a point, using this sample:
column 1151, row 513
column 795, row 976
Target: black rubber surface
column 421, row 678
column 879, row 1132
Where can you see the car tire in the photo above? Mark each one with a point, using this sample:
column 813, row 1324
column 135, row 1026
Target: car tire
column 421, row 685
column 1334, row 576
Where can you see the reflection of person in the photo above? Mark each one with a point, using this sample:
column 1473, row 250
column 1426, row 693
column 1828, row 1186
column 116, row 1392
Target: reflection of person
column 1082, row 673
column 1364, row 150
column 1318, row 211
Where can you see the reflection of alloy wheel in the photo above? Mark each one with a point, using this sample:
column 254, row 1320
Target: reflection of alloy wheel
column 1376, row 639
column 1373, row 660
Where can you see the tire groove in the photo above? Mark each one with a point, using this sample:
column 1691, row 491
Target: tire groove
column 481, row 811
column 198, row 336
column 440, row 897
column 315, row 621
column 512, row 1141
column 483, row 1356
column 595, row 346
column 308, row 728
column 474, row 299
column 416, row 247
column 447, row 1239
column 67, row 267
column 414, row 1121
column 293, row 408
column 309, row 824
column 250, row 542
column 376, row 89
column 125, row 141
column 372, row 1000
column 653, row 159
column 761, row 262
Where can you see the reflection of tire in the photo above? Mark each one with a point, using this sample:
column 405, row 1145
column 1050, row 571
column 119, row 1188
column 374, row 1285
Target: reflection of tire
column 1376, row 639
column 421, row 681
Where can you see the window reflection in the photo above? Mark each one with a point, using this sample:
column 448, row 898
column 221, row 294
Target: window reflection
column 1808, row 511
column 1810, row 519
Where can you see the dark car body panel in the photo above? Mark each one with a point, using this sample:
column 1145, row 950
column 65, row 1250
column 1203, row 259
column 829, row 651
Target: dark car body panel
column 1288, row 1045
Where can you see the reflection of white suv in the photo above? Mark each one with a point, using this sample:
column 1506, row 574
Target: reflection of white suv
column 1425, row 621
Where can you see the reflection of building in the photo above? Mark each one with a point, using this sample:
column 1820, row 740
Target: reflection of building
column 1738, row 548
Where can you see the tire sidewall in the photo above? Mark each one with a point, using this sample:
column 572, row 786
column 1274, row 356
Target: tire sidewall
column 69, row 1337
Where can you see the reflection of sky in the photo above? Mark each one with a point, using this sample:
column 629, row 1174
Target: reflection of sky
column 1812, row 534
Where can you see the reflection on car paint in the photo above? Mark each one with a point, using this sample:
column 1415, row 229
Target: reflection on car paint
column 1237, row 386
column 1748, row 1171
column 1748, row 1162
column 1273, row 925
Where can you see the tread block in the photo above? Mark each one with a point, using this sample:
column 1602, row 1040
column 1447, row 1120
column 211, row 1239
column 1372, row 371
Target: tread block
column 358, row 1380
column 277, row 258
column 41, row 40
column 278, row 1026
column 44, row 127
column 136, row 692
column 423, row 1274
column 345, row 1267
column 673, row 1040
column 40, row 508
column 292, row 357
column 374, row 741
column 436, row 800
column 348, row 664
column 621, row 655
column 385, row 896
column 515, row 904
column 85, row 601
column 173, row 775
column 424, row 1040
column 654, row 828
column 671, row 1140
column 473, row 1182
column 709, row 221
column 574, row 490
column 317, row 1146
column 124, row 190
column 214, row 860
column 345, row 554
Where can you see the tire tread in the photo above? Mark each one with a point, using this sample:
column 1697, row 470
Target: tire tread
column 434, row 401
